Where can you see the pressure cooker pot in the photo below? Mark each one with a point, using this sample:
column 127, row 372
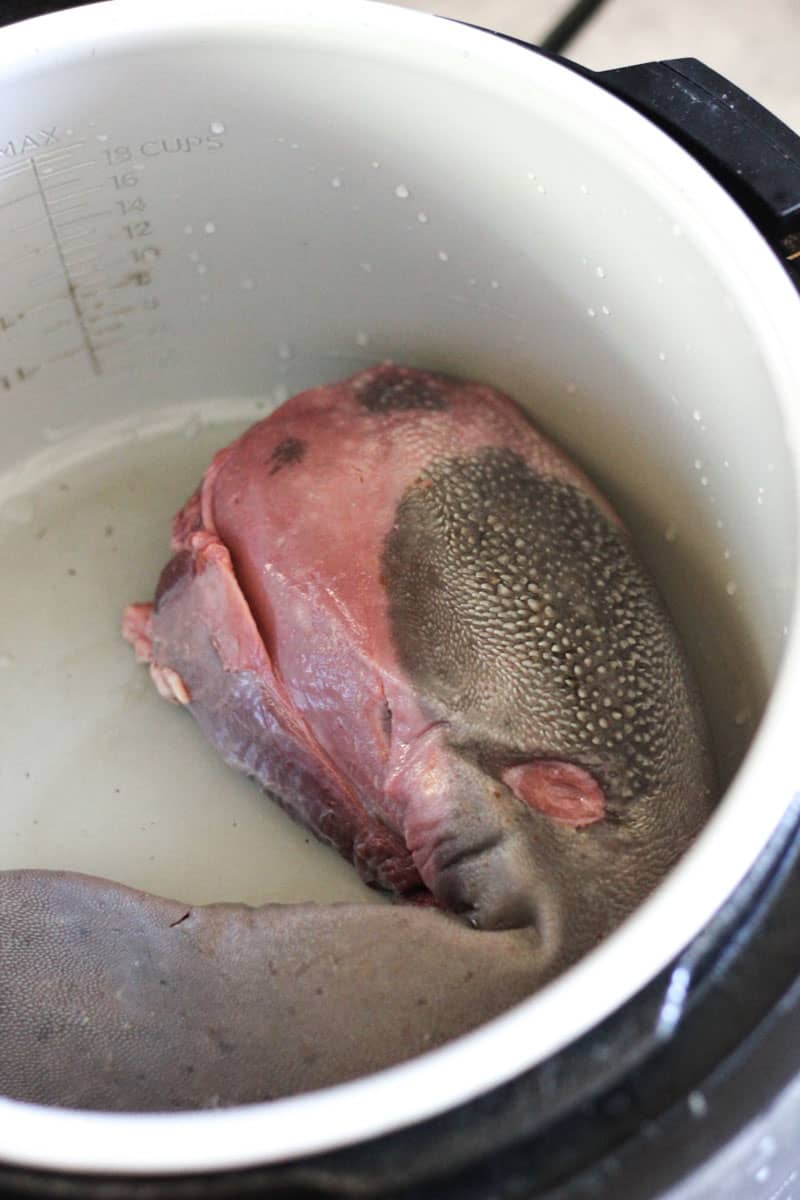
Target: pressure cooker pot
column 204, row 213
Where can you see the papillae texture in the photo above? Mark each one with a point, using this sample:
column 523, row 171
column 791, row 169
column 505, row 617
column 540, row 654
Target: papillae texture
column 410, row 618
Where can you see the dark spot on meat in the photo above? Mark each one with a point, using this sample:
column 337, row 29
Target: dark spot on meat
column 287, row 453
column 217, row 1036
column 180, row 920
column 396, row 389
column 179, row 567
column 387, row 720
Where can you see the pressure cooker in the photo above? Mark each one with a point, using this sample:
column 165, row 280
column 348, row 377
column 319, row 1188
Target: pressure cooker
column 203, row 207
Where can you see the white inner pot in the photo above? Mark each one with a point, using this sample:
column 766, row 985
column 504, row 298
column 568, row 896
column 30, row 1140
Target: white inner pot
column 200, row 216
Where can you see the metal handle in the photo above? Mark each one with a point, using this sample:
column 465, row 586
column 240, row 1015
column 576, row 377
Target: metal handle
column 748, row 150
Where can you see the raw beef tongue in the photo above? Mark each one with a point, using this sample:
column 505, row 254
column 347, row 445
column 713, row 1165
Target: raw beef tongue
column 403, row 612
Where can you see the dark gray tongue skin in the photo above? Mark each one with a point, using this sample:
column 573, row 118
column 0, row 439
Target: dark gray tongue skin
column 525, row 620
column 113, row 999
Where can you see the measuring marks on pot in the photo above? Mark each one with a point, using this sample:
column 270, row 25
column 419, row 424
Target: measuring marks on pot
column 79, row 267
